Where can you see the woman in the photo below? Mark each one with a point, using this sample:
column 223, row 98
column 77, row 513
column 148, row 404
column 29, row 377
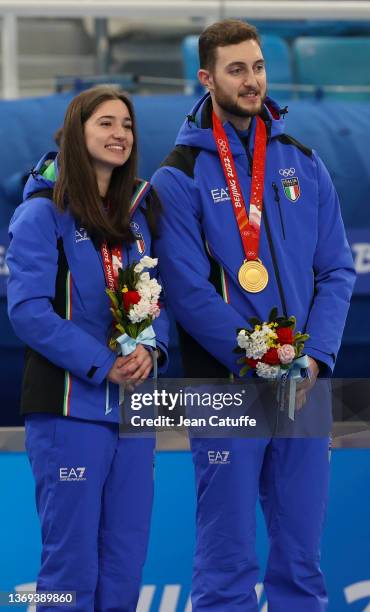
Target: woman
column 93, row 488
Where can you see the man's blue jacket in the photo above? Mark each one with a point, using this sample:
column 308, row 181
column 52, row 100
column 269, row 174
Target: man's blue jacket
column 302, row 243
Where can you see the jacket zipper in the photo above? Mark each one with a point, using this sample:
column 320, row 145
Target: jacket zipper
column 277, row 199
column 271, row 244
column 274, row 261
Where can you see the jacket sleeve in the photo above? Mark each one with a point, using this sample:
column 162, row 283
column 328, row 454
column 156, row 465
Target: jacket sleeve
column 33, row 262
column 161, row 327
column 334, row 275
column 185, row 270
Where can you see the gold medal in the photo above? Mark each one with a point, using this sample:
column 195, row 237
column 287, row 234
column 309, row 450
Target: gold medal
column 253, row 276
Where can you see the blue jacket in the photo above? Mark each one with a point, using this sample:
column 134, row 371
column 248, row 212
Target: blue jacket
column 302, row 243
column 58, row 306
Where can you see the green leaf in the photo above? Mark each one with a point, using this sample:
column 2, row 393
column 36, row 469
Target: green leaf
column 299, row 348
column 240, row 360
column 121, row 276
column 253, row 321
column 273, row 315
column 112, row 297
column 284, row 323
column 305, row 337
column 131, row 330
column 244, row 370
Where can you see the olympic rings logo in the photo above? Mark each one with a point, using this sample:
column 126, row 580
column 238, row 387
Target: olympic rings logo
column 222, row 145
column 287, row 172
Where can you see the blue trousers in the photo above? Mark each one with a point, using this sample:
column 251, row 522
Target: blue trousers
column 291, row 478
column 94, row 493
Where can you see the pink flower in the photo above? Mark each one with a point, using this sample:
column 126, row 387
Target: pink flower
column 286, row 353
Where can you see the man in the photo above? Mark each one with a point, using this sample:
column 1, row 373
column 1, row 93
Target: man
column 217, row 276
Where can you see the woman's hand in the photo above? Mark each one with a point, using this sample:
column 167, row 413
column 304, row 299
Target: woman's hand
column 134, row 367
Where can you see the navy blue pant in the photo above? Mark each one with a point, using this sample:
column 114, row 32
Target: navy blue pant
column 291, row 478
column 94, row 493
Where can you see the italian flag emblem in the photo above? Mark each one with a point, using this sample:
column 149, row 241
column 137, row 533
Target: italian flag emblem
column 291, row 188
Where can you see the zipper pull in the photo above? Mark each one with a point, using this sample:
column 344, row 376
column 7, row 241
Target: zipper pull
column 276, row 190
column 277, row 200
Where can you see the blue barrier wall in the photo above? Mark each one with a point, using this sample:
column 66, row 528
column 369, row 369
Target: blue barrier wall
column 167, row 576
column 339, row 131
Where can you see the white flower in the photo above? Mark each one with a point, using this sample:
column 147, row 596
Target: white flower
column 144, row 278
column 149, row 290
column 264, row 370
column 139, row 312
column 145, row 262
column 242, row 339
column 154, row 310
column 253, row 344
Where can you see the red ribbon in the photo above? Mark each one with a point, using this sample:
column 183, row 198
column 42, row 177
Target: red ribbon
column 249, row 228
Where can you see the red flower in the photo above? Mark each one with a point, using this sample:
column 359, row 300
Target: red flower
column 251, row 362
column 271, row 357
column 285, row 335
column 130, row 298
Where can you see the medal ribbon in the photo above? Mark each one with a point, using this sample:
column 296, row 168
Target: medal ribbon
column 249, row 228
column 112, row 260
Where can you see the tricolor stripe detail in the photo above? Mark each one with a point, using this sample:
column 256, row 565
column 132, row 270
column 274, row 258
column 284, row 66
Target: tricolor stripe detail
column 208, row 249
column 224, row 285
column 141, row 191
column 224, row 288
column 67, row 376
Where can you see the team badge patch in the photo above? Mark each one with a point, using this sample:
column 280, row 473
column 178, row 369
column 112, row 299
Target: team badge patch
column 140, row 243
column 291, row 188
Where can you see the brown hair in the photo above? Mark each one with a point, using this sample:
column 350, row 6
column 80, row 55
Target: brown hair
column 222, row 34
column 76, row 186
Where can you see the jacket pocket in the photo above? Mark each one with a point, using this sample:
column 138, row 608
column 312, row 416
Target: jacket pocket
column 277, row 200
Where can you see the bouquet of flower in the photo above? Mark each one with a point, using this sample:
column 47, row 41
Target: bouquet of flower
column 272, row 348
column 134, row 305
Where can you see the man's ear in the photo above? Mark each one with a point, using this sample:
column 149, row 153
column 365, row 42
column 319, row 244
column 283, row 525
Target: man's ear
column 206, row 79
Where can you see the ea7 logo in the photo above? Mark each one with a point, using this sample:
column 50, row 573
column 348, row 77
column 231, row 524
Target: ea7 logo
column 81, row 234
column 220, row 195
column 362, row 257
column 220, row 457
column 357, row 591
column 67, row 474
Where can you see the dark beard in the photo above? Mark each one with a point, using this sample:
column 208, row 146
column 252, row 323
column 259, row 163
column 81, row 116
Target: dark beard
column 233, row 109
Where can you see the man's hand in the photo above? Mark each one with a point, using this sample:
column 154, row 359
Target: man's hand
column 134, row 367
column 306, row 385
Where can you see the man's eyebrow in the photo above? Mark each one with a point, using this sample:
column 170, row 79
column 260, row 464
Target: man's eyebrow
column 236, row 63
column 241, row 63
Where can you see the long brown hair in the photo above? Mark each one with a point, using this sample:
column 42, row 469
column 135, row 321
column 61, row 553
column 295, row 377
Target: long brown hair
column 76, row 187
